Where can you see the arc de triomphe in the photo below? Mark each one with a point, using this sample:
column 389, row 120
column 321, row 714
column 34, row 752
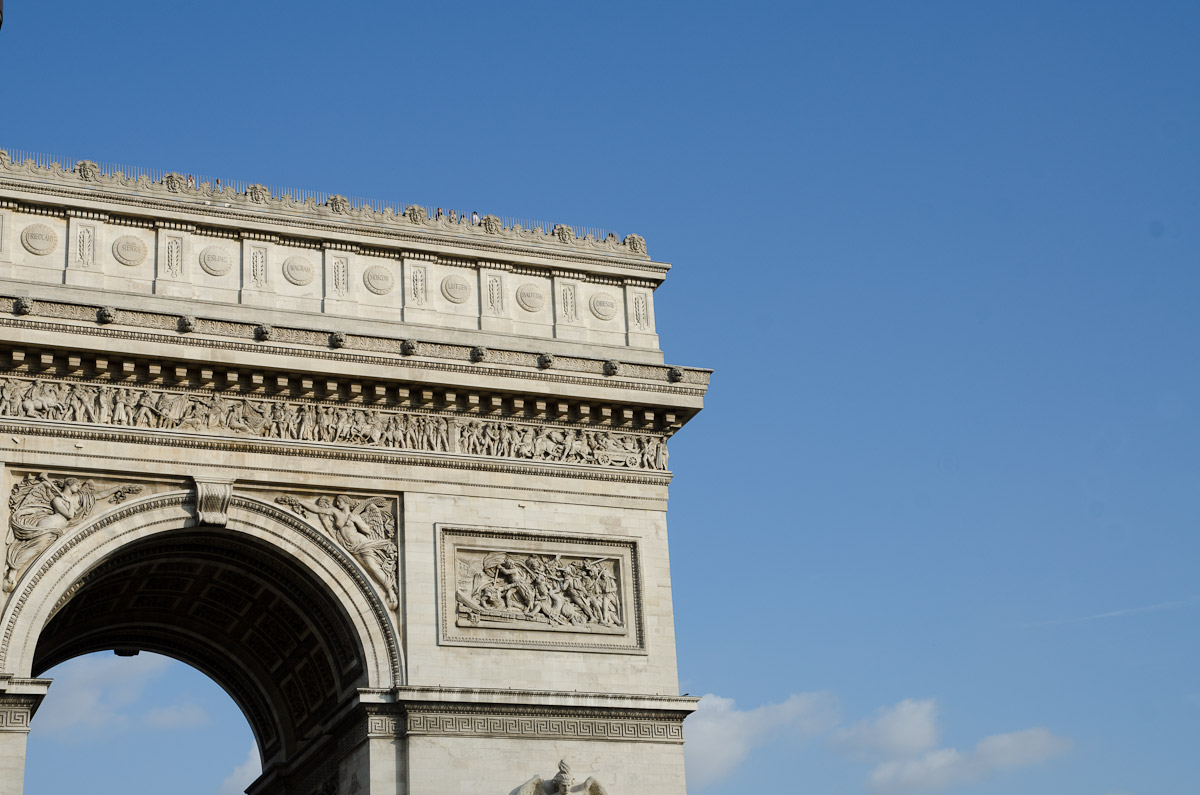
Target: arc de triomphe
column 396, row 482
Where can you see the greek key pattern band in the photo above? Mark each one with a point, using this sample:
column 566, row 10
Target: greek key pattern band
column 557, row 728
column 14, row 719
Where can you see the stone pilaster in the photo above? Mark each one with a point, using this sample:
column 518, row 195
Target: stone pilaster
column 639, row 316
column 84, row 233
column 173, row 260
column 495, row 301
column 19, row 700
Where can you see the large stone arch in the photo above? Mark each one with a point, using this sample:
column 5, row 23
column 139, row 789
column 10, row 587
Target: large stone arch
column 263, row 603
column 380, row 408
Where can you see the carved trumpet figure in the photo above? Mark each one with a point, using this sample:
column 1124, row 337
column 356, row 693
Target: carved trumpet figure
column 364, row 528
column 42, row 509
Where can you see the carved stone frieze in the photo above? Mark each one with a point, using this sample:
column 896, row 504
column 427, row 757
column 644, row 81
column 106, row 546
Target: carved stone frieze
column 41, row 508
column 511, row 588
column 225, row 414
column 366, row 528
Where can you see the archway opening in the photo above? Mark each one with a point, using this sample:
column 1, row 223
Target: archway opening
column 239, row 610
column 136, row 726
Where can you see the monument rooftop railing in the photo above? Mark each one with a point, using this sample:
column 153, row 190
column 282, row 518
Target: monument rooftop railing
column 165, row 242
column 222, row 188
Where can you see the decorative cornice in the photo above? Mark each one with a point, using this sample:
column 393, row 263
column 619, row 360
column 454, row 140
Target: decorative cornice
column 649, row 377
column 89, row 178
column 525, row 721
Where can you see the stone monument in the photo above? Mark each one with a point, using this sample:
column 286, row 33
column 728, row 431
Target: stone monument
column 396, row 481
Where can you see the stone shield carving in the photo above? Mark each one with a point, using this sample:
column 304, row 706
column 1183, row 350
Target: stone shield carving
column 603, row 306
column 216, row 261
column 378, row 280
column 530, row 297
column 456, row 289
column 298, row 271
column 515, row 588
column 39, row 239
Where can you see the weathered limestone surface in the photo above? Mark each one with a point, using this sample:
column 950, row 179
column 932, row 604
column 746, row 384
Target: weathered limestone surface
column 397, row 483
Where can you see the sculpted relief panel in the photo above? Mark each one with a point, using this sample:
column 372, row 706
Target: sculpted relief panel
column 41, row 508
column 503, row 588
column 366, row 528
column 217, row 413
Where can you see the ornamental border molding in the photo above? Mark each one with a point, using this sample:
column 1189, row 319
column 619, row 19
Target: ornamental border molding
column 559, row 722
column 258, row 199
column 438, row 722
column 694, row 382
column 449, row 536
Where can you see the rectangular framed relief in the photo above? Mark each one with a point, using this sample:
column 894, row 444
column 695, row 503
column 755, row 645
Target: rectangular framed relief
column 531, row 590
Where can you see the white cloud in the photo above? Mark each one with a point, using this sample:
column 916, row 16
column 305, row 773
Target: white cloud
column 909, row 727
column 945, row 767
column 720, row 736
column 176, row 716
column 243, row 775
column 95, row 692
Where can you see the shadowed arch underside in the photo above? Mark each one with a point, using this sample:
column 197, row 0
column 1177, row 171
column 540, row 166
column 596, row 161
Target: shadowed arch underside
column 235, row 609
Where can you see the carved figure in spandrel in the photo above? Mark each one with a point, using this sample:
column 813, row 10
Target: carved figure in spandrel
column 41, row 510
column 363, row 527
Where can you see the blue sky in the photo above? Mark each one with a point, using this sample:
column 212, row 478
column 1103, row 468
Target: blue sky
column 936, row 529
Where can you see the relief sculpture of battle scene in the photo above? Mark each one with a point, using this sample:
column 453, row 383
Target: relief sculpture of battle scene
column 546, row 591
column 310, row 421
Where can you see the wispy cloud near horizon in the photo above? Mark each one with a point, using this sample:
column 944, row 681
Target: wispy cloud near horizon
column 1128, row 611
